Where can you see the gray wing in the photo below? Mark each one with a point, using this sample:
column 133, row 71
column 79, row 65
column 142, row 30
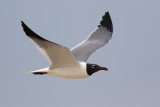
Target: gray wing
column 57, row 55
column 95, row 40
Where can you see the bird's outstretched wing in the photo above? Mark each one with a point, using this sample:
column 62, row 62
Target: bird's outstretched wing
column 57, row 55
column 95, row 40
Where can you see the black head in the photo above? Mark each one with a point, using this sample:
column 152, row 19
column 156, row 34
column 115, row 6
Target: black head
column 92, row 68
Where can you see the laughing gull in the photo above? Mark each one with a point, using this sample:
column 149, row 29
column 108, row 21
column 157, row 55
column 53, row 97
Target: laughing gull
column 72, row 63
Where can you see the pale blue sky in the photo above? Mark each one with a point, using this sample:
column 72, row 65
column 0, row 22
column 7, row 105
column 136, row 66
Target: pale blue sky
column 132, row 56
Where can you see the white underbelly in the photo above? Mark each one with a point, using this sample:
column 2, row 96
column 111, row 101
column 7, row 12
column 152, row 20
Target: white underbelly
column 70, row 73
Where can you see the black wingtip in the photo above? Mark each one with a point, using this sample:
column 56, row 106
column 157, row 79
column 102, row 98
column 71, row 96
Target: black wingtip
column 32, row 34
column 22, row 22
column 26, row 29
column 29, row 32
column 23, row 25
column 107, row 22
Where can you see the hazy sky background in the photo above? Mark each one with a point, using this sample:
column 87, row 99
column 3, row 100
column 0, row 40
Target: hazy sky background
column 132, row 56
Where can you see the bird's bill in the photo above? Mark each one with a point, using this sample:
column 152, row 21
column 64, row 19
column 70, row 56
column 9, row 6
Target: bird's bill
column 103, row 68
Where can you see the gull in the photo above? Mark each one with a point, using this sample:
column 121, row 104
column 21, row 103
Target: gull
column 72, row 64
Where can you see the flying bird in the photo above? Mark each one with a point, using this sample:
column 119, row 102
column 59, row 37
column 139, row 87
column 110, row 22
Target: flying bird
column 72, row 64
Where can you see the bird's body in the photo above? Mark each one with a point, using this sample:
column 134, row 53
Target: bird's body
column 72, row 63
column 75, row 72
column 69, row 72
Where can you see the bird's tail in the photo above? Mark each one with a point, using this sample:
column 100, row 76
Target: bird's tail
column 39, row 72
